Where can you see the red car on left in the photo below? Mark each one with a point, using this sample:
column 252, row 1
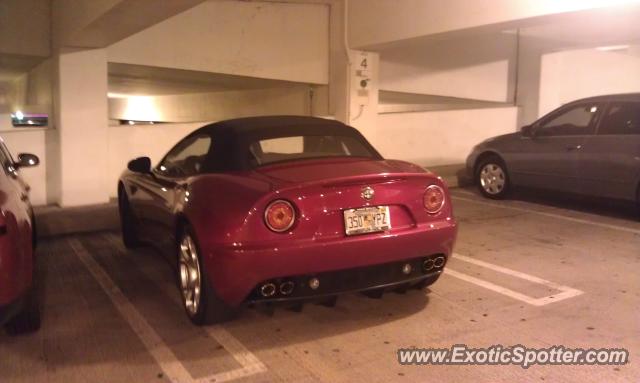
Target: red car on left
column 19, row 308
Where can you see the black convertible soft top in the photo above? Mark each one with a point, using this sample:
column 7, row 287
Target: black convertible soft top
column 231, row 138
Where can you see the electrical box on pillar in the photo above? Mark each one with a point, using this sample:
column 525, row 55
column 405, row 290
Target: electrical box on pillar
column 363, row 77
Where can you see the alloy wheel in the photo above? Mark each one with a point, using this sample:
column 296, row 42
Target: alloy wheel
column 492, row 179
column 190, row 275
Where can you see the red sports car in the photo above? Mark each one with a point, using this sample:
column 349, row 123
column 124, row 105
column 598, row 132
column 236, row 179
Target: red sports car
column 19, row 309
column 270, row 209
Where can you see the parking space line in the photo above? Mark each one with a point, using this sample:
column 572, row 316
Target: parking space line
column 250, row 363
column 566, row 292
column 160, row 352
column 552, row 215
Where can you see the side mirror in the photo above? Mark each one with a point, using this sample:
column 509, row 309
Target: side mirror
column 140, row 165
column 27, row 160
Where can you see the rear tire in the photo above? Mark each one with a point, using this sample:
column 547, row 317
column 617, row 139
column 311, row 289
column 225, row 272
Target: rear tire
column 128, row 222
column 492, row 177
column 199, row 299
column 28, row 319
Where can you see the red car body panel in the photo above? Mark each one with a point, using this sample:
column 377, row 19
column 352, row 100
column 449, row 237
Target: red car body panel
column 226, row 211
column 16, row 241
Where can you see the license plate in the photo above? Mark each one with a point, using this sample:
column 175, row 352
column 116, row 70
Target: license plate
column 367, row 220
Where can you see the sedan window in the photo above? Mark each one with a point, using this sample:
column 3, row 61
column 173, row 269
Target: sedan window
column 621, row 118
column 575, row 121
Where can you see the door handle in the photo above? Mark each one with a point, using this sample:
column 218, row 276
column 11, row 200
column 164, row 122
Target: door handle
column 572, row 148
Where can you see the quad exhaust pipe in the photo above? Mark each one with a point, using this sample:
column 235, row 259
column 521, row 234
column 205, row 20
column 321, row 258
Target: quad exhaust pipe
column 268, row 290
column 433, row 263
column 286, row 288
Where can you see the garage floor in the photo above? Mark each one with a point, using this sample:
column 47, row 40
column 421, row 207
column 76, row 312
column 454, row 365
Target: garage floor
column 524, row 273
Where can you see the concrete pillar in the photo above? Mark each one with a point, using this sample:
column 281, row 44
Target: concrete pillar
column 338, row 62
column 363, row 95
column 81, row 109
column 528, row 87
column 349, row 101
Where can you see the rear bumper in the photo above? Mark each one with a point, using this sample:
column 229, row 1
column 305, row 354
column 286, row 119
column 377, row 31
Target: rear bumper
column 331, row 283
column 236, row 270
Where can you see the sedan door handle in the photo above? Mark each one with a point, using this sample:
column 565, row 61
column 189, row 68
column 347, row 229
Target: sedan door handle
column 572, row 148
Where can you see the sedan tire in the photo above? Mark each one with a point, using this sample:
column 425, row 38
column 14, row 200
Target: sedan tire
column 492, row 178
column 199, row 299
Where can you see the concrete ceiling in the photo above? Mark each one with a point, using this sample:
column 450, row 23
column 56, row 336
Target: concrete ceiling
column 126, row 79
column 98, row 24
column 590, row 29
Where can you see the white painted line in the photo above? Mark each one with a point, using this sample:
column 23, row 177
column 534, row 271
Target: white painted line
column 565, row 292
column 251, row 365
column 490, row 286
column 166, row 359
column 507, row 271
column 552, row 215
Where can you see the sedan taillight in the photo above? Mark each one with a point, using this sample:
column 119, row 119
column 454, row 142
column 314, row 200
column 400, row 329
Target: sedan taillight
column 279, row 216
column 433, row 199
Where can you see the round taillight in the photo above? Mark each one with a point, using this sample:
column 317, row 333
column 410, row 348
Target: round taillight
column 279, row 216
column 433, row 199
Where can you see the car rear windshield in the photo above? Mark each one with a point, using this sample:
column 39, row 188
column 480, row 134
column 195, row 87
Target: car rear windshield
column 271, row 150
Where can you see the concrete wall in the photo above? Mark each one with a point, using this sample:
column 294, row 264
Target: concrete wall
column 259, row 39
column 570, row 75
column 40, row 85
column 442, row 137
column 127, row 142
column 212, row 106
column 32, row 91
column 81, row 125
column 28, row 141
column 481, row 67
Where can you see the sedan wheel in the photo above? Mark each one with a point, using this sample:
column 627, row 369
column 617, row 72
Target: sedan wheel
column 492, row 178
column 190, row 275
